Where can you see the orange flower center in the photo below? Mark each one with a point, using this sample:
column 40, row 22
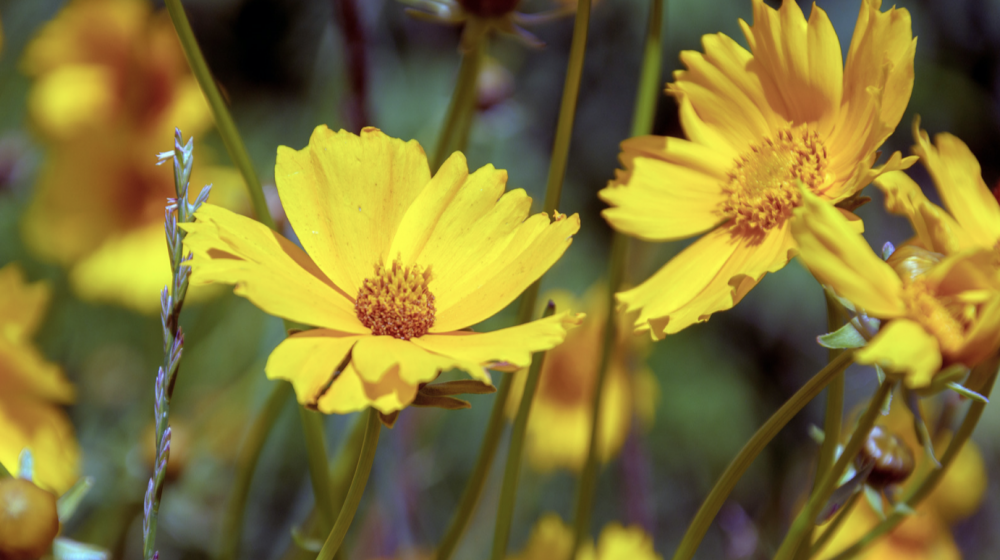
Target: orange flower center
column 763, row 184
column 396, row 302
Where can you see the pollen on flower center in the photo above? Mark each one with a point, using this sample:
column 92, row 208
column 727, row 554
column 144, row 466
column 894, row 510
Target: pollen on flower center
column 763, row 183
column 396, row 302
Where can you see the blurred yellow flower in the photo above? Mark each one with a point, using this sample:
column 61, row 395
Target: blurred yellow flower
column 758, row 123
column 559, row 424
column 110, row 83
column 943, row 310
column 551, row 538
column 396, row 266
column 926, row 534
column 31, row 389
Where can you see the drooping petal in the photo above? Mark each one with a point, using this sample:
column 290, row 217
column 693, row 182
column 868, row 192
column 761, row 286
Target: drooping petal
column 345, row 195
column 377, row 356
column 936, row 230
column 712, row 274
column 839, row 257
column 904, row 348
column 958, row 177
column 267, row 269
column 513, row 345
column 22, row 304
column 350, row 393
column 309, row 360
column 984, row 338
column 803, row 58
column 700, row 131
column 659, row 197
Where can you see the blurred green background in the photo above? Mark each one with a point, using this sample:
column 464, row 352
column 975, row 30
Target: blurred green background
column 283, row 65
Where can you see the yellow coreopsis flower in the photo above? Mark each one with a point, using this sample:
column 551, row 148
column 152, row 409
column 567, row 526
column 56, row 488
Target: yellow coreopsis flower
column 396, row 266
column 552, row 538
column 925, row 535
column 32, row 389
column 943, row 310
column 110, row 84
column 561, row 413
column 758, row 123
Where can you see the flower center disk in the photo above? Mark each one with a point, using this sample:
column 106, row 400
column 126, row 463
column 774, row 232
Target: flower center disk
column 396, row 301
column 763, row 186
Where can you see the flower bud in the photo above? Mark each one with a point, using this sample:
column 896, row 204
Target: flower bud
column 892, row 458
column 911, row 262
column 489, row 8
column 29, row 521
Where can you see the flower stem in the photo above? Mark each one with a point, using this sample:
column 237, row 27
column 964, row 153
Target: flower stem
column 921, row 491
column 223, row 120
column 807, row 516
column 834, row 526
column 567, row 108
column 312, row 429
column 365, row 459
column 642, row 124
column 460, row 109
column 508, row 492
column 246, row 464
column 710, row 507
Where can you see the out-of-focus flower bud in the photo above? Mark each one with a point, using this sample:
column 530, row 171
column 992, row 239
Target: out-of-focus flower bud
column 489, row 8
column 892, row 458
column 910, row 261
column 494, row 84
column 29, row 521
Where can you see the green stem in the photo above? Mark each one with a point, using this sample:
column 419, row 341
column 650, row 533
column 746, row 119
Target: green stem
column 508, row 492
column 365, row 459
column 706, row 513
column 312, row 429
column 460, row 109
column 934, row 477
column 567, row 108
column 232, row 524
column 223, row 120
column 834, row 526
column 807, row 517
column 4, row 472
column 649, row 78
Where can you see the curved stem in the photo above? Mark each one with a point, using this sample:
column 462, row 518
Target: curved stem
column 807, row 516
column 365, row 459
column 316, row 454
column 460, row 109
column 223, row 120
column 934, row 477
column 710, row 507
column 232, row 524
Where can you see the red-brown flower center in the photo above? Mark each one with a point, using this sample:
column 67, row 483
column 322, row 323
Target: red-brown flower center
column 396, row 302
column 489, row 8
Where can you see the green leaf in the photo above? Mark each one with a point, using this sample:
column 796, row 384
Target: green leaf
column 904, row 509
column 69, row 501
column 920, row 427
column 816, row 433
column 967, row 393
column 844, row 337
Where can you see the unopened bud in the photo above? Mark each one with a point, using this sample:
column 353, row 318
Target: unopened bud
column 892, row 458
column 29, row 520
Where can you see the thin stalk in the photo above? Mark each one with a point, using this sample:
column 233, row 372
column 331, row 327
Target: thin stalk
column 642, row 124
column 463, row 98
column 312, row 429
column 832, row 418
column 508, row 492
column 223, row 120
column 246, row 463
column 365, row 459
column 834, row 526
column 567, row 108
column 927, row 485
column 807, row 516
column 710, row 507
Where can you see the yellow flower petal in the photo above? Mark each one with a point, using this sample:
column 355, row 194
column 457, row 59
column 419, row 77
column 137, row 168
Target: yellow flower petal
column 345, row 195
column 309, row 360
column 267, row 269
column 72, row 99
column 349, row 393
column 618, row 543
column 550, row 538
column 962, row 488
column 46, row 431
column 936, row 230
column 804, row 58
column 700, row 131
column 512, row 346
column 376, row 356
column 904, row 348
column 663, row 199
column 712, row 274
column 959, row 181
column 22, row 305
column 841, row 258
column 983, row 339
